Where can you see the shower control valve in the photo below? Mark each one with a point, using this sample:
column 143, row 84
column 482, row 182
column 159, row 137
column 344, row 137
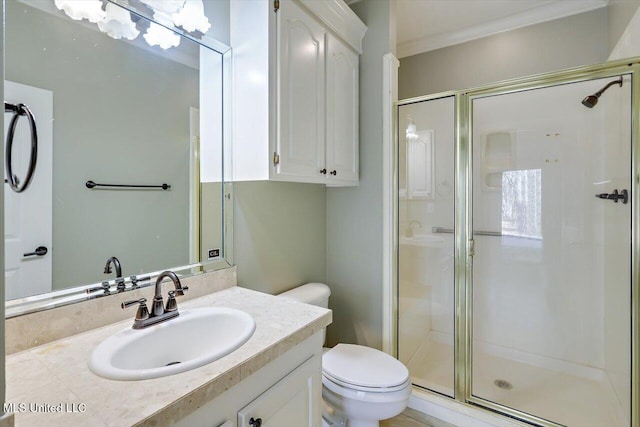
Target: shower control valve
column 615, row 196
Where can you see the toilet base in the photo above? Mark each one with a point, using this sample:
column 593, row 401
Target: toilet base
column 361, row 409
column 362, row 423
column 327, row 421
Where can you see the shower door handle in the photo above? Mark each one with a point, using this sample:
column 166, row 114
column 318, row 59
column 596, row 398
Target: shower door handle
column 442, row 230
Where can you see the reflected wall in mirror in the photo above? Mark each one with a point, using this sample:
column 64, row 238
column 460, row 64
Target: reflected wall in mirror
column 113, row 112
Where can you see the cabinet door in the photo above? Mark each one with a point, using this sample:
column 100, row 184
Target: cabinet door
column 342, row 113
column 291, row 402
column 301, row 118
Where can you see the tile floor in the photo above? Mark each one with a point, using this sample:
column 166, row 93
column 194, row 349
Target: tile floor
column 412, row 418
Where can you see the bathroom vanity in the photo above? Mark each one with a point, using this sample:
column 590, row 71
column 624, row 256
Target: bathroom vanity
column 274, row 376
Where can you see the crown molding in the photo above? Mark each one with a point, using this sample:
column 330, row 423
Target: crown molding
column 533, row 16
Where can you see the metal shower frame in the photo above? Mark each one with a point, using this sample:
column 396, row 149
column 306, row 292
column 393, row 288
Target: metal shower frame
column 463, row 258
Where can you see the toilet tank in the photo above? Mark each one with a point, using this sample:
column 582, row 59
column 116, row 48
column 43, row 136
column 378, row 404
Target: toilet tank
column 311, row 293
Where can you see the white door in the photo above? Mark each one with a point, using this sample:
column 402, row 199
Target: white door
column 28, row 215
column 301, row 77
column 342, row 113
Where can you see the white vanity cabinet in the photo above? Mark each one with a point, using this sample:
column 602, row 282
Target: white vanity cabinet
column 292, row 401
column 295, row 91
column 284, row 393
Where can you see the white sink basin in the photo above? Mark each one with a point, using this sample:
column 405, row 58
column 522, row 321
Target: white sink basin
column 193, row 339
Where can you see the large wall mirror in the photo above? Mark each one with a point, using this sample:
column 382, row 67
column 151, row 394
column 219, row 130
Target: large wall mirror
column 122, row 114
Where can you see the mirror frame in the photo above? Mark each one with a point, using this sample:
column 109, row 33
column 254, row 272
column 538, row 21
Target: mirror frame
column 78, row 294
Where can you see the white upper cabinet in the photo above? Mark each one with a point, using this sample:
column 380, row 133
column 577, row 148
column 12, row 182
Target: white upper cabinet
column 342, row 113
column 301, row 61
column 295, row 91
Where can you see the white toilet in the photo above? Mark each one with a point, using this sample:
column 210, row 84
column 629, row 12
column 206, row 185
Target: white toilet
column 360, row 384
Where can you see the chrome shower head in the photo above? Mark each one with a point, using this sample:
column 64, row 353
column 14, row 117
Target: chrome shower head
column 591, row 100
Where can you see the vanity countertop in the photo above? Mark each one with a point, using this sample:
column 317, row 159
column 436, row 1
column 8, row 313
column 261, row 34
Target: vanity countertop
column 52, row 385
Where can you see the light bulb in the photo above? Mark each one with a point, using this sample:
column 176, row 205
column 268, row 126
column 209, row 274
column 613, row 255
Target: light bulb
column 157, row 35
column 412, row 130
column 191, row 17
column 82, row 9
column 118, row 24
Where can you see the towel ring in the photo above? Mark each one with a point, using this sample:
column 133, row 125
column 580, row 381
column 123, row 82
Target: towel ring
column 12, row 180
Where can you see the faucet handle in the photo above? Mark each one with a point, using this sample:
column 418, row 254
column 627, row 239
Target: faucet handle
column 135, row 280
column 105, row 287
column 172, row 305
column 180, row 291
column 143, row 311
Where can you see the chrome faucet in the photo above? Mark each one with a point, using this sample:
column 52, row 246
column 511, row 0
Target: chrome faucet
column 120, row 286
column 159, row 313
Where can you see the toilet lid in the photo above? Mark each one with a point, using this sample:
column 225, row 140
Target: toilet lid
column 363, row 366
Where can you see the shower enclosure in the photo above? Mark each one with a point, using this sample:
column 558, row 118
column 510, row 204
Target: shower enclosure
column 517, row 273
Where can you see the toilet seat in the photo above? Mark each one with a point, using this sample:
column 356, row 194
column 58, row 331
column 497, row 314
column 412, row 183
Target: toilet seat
column 328, row 377
column 363, row 368
column 370, row 396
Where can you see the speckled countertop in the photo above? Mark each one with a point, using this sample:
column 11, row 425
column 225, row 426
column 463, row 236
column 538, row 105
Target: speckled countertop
column 56, row 376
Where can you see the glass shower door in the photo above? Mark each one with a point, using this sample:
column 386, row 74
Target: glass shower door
column 426, row 164
column 552, row 268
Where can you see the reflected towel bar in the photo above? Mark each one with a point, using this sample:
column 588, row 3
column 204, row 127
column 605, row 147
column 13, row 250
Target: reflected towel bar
column 442, row 230
column 91, row 184
column 18, row 111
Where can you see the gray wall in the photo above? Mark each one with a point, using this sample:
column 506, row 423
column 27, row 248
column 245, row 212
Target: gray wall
column 121, row 116
column 620, row 13
column 279, row 234
column 550, row 46
column 354, row 215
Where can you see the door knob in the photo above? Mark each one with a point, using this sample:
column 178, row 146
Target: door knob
column 40, row 251
column 255, row 422
column 334, row 173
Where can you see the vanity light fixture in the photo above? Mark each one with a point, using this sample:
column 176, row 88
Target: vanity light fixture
column 79, row 10
column 412, row 131
column 116, row 21
column 118, row 24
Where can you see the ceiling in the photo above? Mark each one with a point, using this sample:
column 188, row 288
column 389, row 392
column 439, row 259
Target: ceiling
column 424, row 25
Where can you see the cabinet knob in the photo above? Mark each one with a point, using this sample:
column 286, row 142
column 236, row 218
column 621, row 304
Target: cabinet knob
column 334, row 173
column 323, row 171
column 255, row 422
